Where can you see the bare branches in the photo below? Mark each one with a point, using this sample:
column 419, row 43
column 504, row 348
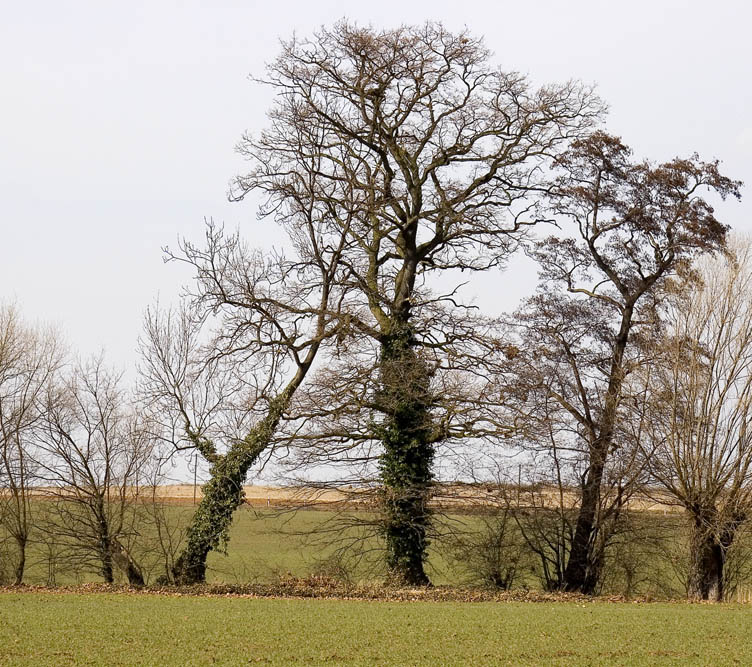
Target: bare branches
column 635, row 227
column 29, row 358
column 636, row 223
column 412, row 147
column 415, row 140
column 220, row 374
column 92, row 455
column 701, row 404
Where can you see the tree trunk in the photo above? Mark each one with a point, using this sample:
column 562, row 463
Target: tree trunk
column 405, row 465
column 707, row 560
column 583, row 567
column 582, row 571
column 124, row 561
column 21, row 560
column 105, row 541
column 223, row 494
column 705, row 581
column 106, row 557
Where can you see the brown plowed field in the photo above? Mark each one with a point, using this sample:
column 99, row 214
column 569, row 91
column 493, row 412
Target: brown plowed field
column 460, row 496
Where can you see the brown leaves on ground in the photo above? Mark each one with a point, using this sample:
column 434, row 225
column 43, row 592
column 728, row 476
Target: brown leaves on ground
column 320, row 587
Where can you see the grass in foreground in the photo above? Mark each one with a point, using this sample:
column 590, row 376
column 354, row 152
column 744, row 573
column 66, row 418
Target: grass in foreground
column 123, row 629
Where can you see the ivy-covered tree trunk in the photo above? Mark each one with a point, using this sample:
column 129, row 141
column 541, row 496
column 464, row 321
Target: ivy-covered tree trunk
column 223, row 494
column 405, row 465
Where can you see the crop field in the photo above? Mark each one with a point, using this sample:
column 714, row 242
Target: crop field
column 122, row 629
column 87, row 626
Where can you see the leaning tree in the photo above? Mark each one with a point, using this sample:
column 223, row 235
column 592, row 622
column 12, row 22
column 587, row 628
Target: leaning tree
column 429, row 155
column 219, row 373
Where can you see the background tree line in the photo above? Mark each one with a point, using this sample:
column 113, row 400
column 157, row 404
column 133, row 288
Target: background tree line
column 400, row 164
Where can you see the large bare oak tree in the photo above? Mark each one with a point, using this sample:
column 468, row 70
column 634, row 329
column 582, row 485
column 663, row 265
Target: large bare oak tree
column 428, row 153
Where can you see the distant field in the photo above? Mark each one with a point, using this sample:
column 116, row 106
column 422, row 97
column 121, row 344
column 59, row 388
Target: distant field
column 256, row 495
column 269, row 541
column 266, row 544
column 448, row 495
column 124, row 629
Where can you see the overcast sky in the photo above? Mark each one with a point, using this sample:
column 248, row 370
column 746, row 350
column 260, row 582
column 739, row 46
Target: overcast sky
column 118, row 124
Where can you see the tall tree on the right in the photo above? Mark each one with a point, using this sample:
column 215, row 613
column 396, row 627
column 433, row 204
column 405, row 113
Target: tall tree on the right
column 627, row 228
column 700, row 403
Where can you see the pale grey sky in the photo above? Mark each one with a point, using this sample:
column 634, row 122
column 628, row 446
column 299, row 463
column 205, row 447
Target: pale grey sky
column 118, row 122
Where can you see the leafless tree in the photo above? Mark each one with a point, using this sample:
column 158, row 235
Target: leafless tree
column 701, row 404
column 222, row 370
column 630, row 227
column 29, row 357
column 91, row 456
column 428, row 154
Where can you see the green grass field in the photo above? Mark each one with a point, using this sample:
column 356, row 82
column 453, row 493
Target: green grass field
column 125, row 629
column 59, row 628
column 263, row 545
column 266, row 544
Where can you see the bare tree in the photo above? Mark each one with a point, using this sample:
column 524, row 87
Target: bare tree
column 29, row 357
column 632, row 226
column 702, row 408
column 558, row 366
column 91, row 456
column 428, row 154
column 162, row 530
column 224, row 395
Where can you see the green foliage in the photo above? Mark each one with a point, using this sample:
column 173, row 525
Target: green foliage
column 406, row 463
column 223, row 494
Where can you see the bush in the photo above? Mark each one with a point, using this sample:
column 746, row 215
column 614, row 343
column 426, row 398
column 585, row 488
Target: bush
column 490, row 550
